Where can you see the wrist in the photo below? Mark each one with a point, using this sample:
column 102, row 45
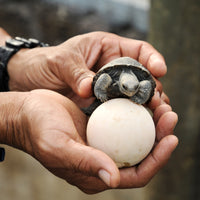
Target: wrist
column 11, row 130
column 24, row 66
column 11, row 47
column 16, row 68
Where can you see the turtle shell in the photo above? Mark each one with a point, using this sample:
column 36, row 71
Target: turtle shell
column 124, row 61
column 115, row 67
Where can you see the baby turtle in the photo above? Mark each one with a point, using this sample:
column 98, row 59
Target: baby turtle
column 122, row 78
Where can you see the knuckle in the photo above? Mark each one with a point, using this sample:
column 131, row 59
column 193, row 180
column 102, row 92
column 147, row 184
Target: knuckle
column 83, row 166
column 78, row 74
column 146, row 44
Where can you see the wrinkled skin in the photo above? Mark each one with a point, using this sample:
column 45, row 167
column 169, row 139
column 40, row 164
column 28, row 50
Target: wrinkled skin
column 57, row 140
column 55, row 127
column 69, row 68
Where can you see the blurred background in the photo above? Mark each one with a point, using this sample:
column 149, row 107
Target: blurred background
column 172, row 27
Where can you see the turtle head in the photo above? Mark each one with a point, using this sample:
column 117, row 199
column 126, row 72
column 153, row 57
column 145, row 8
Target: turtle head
column 128, row 83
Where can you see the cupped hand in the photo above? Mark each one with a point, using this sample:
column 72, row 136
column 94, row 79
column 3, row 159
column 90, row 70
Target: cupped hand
column 165, row 121
column 73, row 63
column 53, row 132
column 57, row 137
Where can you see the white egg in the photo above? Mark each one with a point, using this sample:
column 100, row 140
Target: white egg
column 124, row 130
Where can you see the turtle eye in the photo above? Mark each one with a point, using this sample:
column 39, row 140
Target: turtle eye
column 124, row 86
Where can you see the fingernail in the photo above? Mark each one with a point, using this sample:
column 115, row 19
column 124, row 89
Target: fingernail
column 105, row 176
column 159, row 65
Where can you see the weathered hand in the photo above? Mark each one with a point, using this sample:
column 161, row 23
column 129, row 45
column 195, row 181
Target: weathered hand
column 71, row 64
column 165, row 121
column 54, row 129
column 51, row 128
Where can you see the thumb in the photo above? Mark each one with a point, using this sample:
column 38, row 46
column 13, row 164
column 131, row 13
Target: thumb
column 90, row 161
column 78, row 76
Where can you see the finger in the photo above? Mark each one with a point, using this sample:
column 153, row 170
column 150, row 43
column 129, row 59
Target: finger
column 79, row 77
column 92, row 162
column 166, row 124
column 75, row 73
column 146, row 54
column 82, row 53
column 159, row 86
column 88, row 184
column 152, row 59
column 158, row 100
column 156, row 65
column 165, row 98
column 160, row 110
column 141, row 175
column 114, row 46
column 155, row 101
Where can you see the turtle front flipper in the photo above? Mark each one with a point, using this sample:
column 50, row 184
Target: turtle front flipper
column 144, row 92
column 101, row 87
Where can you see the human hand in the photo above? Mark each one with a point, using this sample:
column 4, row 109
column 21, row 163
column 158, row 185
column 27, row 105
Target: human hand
column 91, row 51
column 51, row 128
column 165, row 121
column 73, row 63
